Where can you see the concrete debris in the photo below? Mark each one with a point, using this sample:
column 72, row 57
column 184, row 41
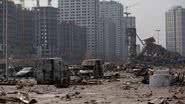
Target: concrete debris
column 164, row 102
column 153, row 54
column 26, row 83
column 115, row 86
column 91, row 102
column 22, row 98
column 8, row 82
column 180, row 102
column 38, row 92
column 148, row 94
column 91, row 82
column 161, row 78
column 126, row 87
column 178, row 97
column 70, row 96
column 158, row 101
column 2, row 92
column 13, row 92
column 5, row 100
column 180, row 90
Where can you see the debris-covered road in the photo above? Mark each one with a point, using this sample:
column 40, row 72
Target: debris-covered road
column 127, row 90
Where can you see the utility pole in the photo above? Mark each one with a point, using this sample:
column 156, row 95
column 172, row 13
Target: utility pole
column 3, row 43
column 38, row 28
column 158, row 32
column 6, row 39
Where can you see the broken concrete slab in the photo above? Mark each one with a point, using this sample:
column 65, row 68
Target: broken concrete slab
column 161, row 78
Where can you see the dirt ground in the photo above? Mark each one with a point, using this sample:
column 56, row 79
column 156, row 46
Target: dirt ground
column 122, row 91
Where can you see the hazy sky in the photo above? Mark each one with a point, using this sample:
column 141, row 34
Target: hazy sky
column 150, row 15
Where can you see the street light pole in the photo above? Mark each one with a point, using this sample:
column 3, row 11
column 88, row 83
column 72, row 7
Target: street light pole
column 6, row 38
column 158, row 31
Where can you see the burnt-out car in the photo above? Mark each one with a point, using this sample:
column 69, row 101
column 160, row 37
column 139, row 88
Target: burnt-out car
column 92, row 67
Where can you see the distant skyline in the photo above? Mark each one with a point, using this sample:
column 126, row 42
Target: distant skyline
column 150, row 15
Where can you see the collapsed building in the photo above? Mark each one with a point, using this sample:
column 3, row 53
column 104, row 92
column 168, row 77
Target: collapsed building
column 151, row 54
column 154, row 54
column 154, row 63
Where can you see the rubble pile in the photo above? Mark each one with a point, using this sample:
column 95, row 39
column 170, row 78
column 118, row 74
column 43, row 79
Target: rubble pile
column 95, row 82
column 20, row 98
column 70, row 96
column 153, row 54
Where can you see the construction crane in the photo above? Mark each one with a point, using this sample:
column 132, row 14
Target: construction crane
column 127, row 15
column 130, row 6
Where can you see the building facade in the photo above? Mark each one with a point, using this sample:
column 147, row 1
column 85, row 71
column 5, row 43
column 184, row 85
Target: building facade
column 175, row 30
column 127, row 22
column 25, row 32
column 114, row 11
column 46, row 31
column 72, row 42
column 106, row 40
column 8, row 28
column 83, row 13
column 130, row 22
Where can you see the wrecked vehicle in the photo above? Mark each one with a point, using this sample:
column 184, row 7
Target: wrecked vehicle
column 26, row 72
column 92, row 68
column 52, row 71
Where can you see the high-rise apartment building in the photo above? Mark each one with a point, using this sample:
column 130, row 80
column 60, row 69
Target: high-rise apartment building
column 175, row 30
column 8, row 28
column 130, row 22
column 46, row 31
column 83, row 13
column 127, row 22
column 114, row 11
column 72, row 42
column 25, row 32
column 20, row 30
column 106, row 40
